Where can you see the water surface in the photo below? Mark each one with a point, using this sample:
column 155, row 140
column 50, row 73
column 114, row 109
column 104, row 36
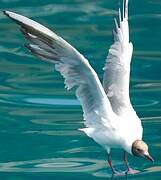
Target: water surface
column 39, row 118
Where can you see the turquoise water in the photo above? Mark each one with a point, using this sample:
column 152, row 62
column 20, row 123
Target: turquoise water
column 39, row 119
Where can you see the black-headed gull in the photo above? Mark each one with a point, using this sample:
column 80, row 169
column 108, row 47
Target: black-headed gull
column 109, row 116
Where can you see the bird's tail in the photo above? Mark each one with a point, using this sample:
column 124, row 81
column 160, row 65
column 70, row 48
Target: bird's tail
column 87, row 131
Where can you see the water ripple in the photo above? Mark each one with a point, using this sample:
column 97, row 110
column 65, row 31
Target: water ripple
column 95, row 167
column 37, row 101
column 56, row 133
column 54, row 165
column 52, row 9
column 148, row 55
column 34, row 105
column 52, row 101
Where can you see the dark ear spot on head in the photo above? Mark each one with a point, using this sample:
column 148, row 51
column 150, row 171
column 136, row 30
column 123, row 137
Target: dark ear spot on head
column 135, row 152
column 139, row 150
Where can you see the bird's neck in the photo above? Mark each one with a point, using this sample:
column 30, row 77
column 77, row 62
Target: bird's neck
column 128, row 148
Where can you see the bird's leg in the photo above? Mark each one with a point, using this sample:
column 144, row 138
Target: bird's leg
column 110, row 164
column 129, row 170
column 126, row 162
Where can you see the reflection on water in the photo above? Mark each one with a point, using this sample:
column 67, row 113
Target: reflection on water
column 55, row 133
column 92, row 166
column 50, row 101
column 54, row 165
column 148, row 55
column 57, row 8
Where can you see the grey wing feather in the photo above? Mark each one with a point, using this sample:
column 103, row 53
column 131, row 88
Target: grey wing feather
column 71, row 64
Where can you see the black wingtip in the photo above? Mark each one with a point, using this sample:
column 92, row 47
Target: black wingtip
column 9, row 14
column 5, row 13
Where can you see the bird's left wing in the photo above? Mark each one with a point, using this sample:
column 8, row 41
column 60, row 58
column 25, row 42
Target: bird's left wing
column 73, row 66
column 117, row 67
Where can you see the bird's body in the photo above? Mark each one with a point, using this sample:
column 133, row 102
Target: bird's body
column 120, row 133
column 124, row 126
column 109, row 116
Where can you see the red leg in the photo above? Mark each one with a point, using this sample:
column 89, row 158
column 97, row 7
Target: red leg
column 126, row 162
column 129, row 170
column 110, row 164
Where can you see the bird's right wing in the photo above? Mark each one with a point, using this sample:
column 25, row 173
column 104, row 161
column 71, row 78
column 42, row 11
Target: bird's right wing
column 117, row 67
column 73, row 66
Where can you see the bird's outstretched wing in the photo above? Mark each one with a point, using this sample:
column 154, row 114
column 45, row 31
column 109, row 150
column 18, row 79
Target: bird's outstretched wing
column 117, row 67
column 73, row 66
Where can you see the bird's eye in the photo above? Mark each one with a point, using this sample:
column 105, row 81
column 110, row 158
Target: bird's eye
column 138, row 149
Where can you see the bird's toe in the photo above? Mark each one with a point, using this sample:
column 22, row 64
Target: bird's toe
column 132, row 171
column 117, row 174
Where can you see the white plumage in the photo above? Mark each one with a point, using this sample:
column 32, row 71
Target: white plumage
column 109, row 116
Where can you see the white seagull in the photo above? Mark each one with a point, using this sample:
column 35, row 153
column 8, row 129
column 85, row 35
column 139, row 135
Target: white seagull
column 109, row 116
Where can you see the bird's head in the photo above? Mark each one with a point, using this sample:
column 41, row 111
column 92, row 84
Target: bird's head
column 140, row 148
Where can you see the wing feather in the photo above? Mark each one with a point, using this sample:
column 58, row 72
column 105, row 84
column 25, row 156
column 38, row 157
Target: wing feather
column 117, row 67
column 73, row 66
